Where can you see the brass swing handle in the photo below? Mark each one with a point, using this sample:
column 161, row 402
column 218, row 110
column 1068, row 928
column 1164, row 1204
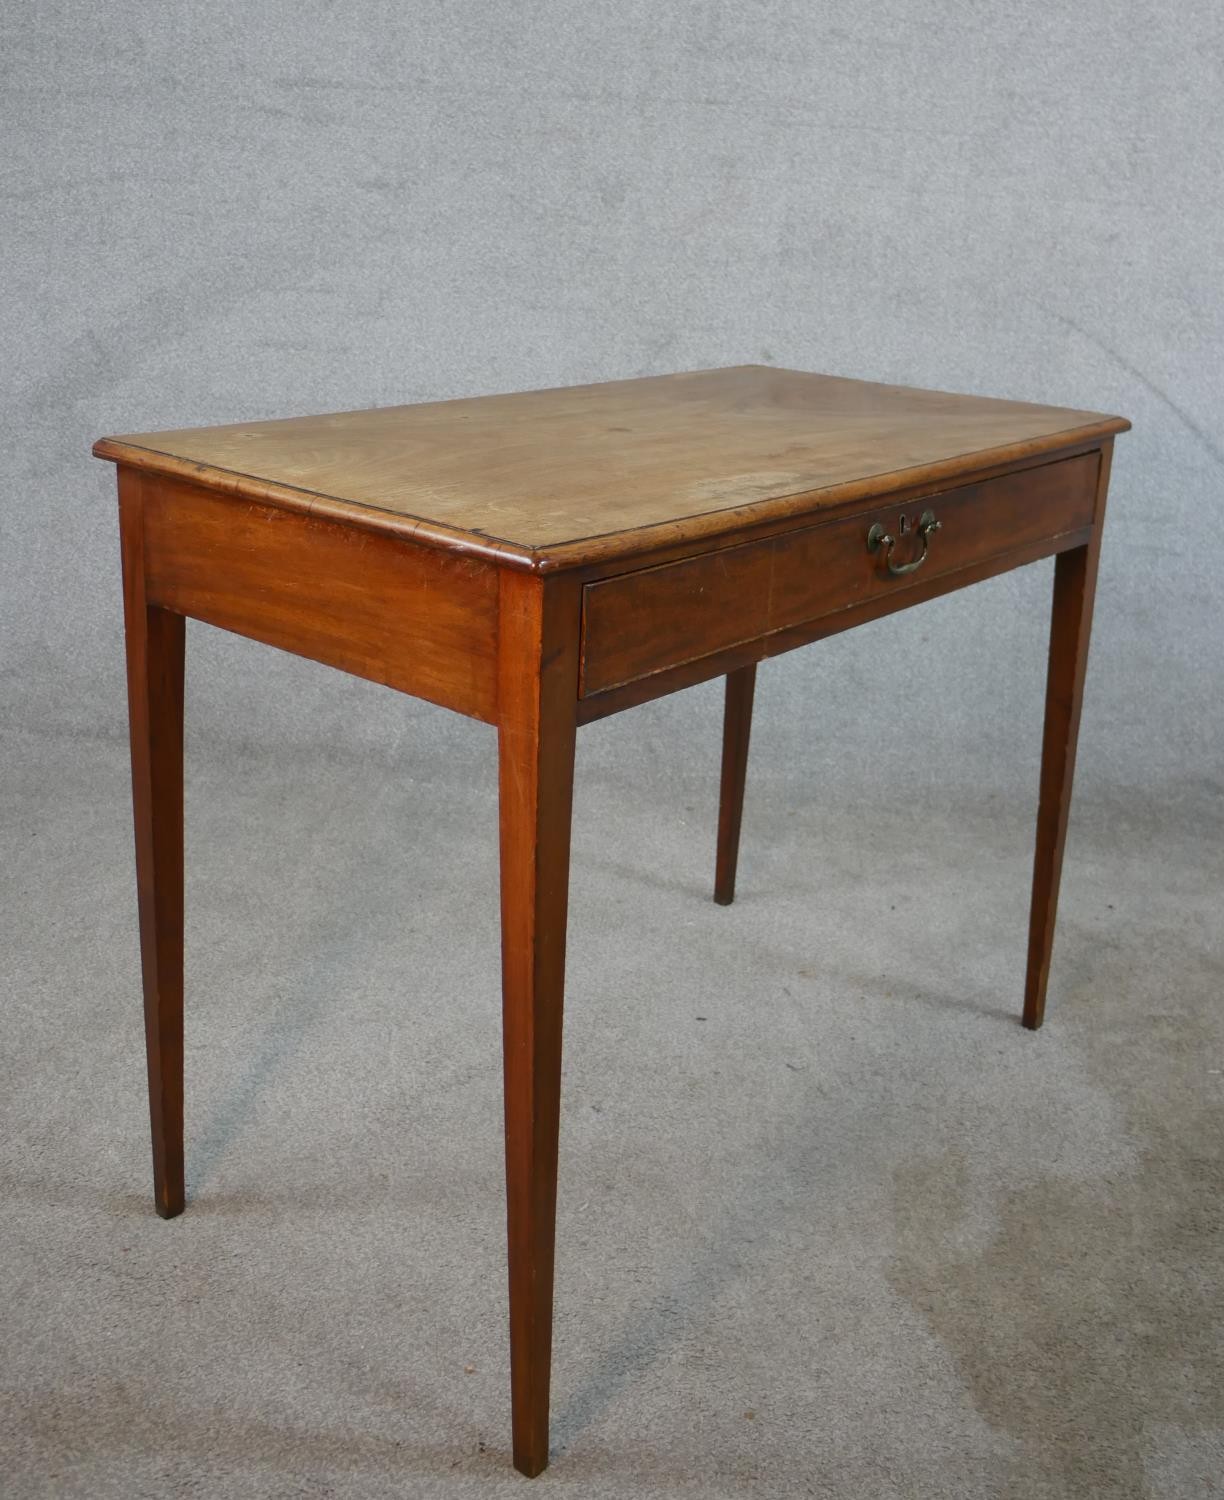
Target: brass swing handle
column 877, row 537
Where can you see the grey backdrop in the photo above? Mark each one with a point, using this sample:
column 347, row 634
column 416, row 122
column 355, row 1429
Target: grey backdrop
column 234, row 211
column 259, row 210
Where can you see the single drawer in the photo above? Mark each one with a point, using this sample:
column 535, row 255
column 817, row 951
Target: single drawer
column 644, row 622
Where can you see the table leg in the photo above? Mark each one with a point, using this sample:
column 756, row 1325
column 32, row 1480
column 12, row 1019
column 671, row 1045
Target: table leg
column 737, row 727
column 155, row 646
column 538, row 674
column 1071, row 623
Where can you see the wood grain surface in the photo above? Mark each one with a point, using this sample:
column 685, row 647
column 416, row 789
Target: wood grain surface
column 562, row 477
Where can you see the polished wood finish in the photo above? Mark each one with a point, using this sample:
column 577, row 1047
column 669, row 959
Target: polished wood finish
column 702, row 668
column 537, row 724
column 559, row 478
column 410, row 617
column 737, row 729
column 155, row 659
column 543, row 560
column 644, row 622
column 1075, row 575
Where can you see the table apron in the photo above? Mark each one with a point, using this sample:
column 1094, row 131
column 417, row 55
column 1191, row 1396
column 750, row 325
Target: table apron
column 426, row 622
column 413, row 617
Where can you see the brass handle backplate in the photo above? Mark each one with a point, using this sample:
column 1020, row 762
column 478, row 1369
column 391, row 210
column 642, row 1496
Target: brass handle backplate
column 878, row 538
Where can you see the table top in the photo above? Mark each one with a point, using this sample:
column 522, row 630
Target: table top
column 559, row 477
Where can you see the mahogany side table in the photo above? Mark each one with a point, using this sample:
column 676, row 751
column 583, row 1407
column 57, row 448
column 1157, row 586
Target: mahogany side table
column 540, row 560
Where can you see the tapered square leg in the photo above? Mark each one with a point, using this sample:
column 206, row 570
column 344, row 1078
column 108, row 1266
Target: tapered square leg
column 1070, row 627
column 155, row 645
column 737, row 729
column 537, row 700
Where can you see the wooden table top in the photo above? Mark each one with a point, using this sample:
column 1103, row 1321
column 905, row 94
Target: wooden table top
column 561, row 477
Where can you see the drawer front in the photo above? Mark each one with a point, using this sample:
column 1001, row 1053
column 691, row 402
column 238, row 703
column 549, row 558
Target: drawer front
column 639, row 623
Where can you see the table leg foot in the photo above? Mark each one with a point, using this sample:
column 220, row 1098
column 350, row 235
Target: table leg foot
column 530, row 1464
column 737, row 728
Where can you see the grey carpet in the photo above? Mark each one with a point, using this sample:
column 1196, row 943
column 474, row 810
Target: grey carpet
column 830, row 1222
